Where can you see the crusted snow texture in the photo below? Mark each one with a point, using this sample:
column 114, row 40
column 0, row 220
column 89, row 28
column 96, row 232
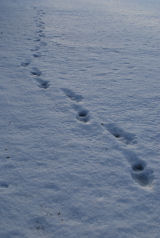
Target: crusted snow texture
column 79, row 124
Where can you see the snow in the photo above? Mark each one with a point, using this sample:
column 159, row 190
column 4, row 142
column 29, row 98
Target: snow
column 79, row 124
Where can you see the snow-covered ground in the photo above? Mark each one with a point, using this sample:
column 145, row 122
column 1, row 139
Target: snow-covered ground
column 79, row 119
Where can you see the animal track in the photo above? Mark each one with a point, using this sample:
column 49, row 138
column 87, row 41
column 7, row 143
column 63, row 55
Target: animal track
column 125, row 137
column 43, row 83
column 35, row 71
column 72, row 95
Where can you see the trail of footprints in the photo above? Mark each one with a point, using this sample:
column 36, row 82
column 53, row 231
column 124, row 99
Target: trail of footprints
column 40, row 35
column 139, row 171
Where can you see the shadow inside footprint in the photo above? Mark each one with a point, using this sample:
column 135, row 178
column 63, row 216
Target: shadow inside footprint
column 138, row 167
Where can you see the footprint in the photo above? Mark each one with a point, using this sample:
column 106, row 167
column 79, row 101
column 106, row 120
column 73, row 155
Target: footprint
column 43, row 83
column 139, row 171
column 72, row 95
column 142, row 175
column 41, row 35
column 36, row 48
column 40, row 31
column 37, row 39
column 83, row 115
column 123, row 136
column 35, row 71
column 26, row 63
column 37, row 55
column 4, row 185
column 41, row 12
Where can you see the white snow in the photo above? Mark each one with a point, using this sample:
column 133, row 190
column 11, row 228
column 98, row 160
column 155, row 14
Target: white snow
column 79, row 119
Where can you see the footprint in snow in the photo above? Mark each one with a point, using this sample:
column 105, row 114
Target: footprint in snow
column 141, row 174
column 41, row 35
column 4, row 184
column 36, row 72
column 82, row 113
column 125, row 137
column 72, row 95
column 41, row 12
column 43, row 83
column 36, row 48
column 37, row 39
column 26, row 63
column 37, row 55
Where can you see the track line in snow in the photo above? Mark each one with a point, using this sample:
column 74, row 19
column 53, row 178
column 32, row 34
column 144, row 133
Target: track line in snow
column 35, row 71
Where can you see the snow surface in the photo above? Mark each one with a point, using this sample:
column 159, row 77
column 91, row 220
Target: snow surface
column 79, row 124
